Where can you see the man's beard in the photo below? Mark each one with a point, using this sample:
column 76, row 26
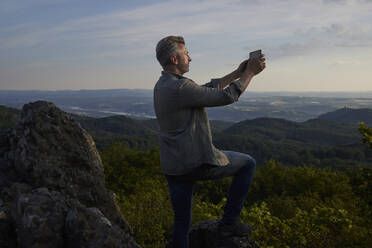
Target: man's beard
column 183, row 68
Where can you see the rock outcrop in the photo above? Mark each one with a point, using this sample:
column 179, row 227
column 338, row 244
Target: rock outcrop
column 52, row 187
column 205, row 234
column 52, row 190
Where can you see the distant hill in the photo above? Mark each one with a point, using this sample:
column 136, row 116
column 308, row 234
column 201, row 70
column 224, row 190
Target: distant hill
column 349, row 115
column 316, row 131
column 136, row 134
column 116, row 124
column 138, row 103
column 331, row 140
column 319, row 142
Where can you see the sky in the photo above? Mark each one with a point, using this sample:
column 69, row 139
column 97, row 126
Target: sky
column 318, row 45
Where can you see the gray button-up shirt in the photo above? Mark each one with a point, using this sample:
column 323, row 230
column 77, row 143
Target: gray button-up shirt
column 185, row 138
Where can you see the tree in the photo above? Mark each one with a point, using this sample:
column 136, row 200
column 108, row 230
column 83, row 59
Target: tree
column 366, row 133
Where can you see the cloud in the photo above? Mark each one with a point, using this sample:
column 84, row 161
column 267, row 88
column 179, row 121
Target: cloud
column 138, row 27
column 341, row 34
column 287, row 28
column 9, row 6
column 336, row 1
column 347, row 1
column 291, row 49
column 216, row 31
column 346, row 63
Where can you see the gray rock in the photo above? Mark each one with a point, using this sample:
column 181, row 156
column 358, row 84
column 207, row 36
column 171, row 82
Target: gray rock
column 52, row 185
column 8, row 238
column 88, row 227
column 39, row 216
column 205, row 234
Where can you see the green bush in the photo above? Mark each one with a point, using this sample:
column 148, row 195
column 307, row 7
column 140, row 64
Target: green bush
column 141, row 191
column 366, row 132
column 320, row 227
column 149, row 212
column 300, row 206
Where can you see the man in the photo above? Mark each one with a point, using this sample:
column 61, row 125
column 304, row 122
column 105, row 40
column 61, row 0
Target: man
column 186, row 150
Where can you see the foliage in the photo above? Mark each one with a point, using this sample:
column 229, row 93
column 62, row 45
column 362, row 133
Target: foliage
column 341, row 153
column 319, row 227
column 8, row 116
column 141, row 192
column 135, row 134
column 366, row 133
column 124, row 167
column 300, row 206
column 149, row 212
column 308, row 207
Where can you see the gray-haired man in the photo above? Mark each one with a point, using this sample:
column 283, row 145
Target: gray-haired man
column 187, row 153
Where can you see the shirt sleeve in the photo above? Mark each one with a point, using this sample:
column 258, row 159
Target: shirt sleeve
column 191, row 94
column 214, row 83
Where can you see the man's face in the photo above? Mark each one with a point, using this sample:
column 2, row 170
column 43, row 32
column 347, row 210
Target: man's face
column 183, row 59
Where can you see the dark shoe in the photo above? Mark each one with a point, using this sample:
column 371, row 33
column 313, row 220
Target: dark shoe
column 236, row 229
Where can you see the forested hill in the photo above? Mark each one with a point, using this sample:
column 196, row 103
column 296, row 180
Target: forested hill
column 137, row 134
column 316, row 131
column 348, row 115
column 330, row 140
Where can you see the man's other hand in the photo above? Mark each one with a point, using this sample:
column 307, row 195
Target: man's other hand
column 242, row 67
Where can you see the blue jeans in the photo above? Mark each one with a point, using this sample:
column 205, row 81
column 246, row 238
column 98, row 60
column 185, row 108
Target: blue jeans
column 181, row 189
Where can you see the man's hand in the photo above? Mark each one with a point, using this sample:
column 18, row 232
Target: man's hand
column 255, row 66
column 246, row 70
column 252, row 68
column 241, row 68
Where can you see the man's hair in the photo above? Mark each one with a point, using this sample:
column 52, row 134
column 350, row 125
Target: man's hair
column 168, row 47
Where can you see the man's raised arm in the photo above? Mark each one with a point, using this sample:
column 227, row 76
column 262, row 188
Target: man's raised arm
column 191, row 94
column 225, row 81
column 245, row 72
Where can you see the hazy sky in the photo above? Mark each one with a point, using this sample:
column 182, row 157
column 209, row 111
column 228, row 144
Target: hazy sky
column 318, row 45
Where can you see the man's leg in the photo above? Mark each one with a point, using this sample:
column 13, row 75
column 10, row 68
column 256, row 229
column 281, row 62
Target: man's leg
column 241, row 167
column 239, row 186
column 181, row 194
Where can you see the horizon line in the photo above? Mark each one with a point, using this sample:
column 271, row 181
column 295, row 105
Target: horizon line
column 253, row 91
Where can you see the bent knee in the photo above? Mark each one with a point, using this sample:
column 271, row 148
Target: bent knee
column 251, row 163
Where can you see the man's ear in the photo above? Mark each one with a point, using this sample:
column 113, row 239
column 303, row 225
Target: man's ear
column 173, row 59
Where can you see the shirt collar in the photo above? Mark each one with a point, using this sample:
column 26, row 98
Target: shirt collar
column 168, row 73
